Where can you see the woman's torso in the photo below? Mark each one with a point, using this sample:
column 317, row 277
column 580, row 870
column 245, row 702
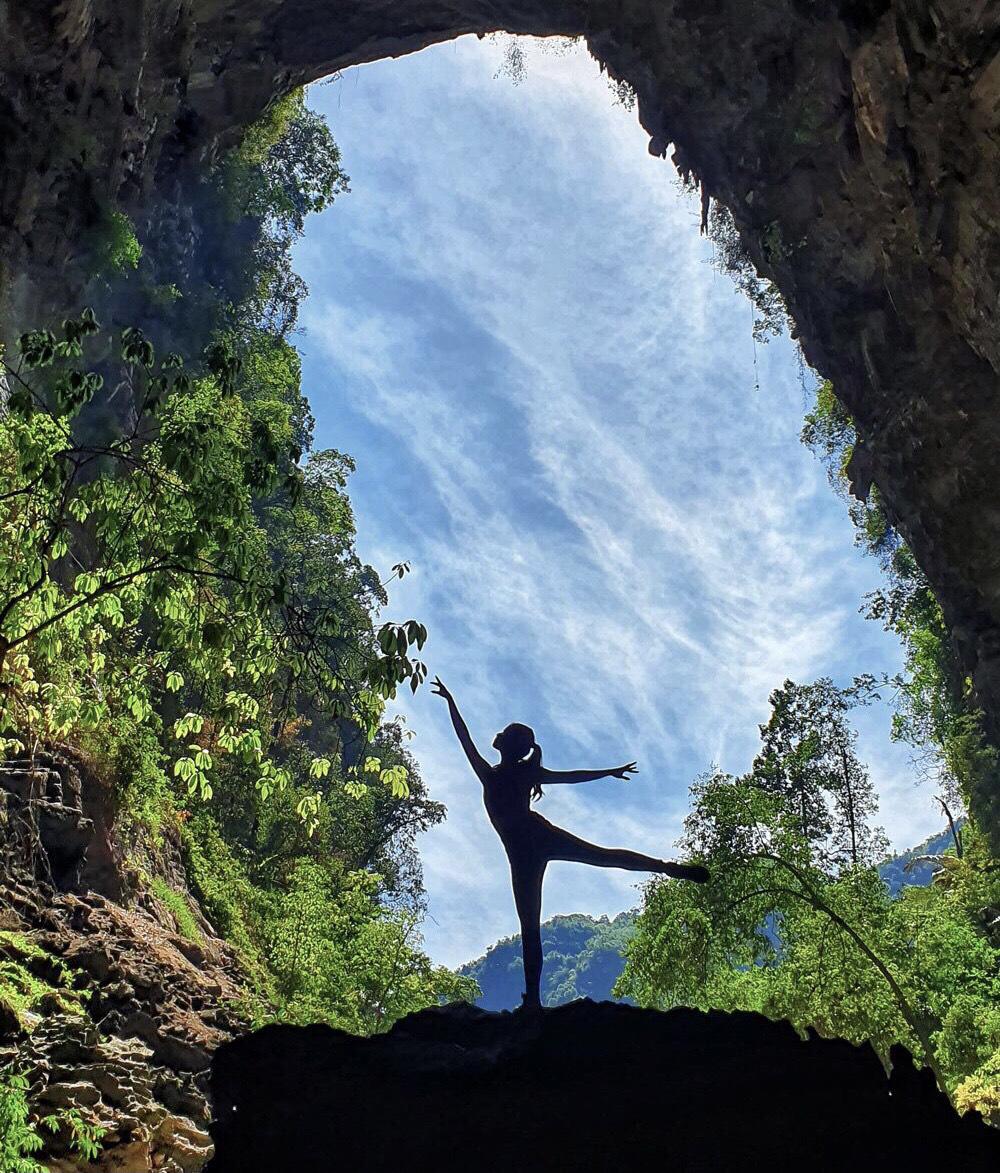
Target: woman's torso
column 507, row 797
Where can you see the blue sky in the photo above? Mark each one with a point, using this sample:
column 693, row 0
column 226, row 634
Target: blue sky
column 616, row 537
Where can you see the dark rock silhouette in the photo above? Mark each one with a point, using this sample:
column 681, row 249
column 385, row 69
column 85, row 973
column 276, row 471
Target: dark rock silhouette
column 588, row 1086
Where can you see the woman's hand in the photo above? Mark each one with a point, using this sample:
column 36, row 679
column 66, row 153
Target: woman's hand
column 439, row 689
column 624, row 771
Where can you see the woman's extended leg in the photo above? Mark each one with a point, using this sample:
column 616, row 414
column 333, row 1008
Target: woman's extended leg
column 562, row 845
column 526, row 878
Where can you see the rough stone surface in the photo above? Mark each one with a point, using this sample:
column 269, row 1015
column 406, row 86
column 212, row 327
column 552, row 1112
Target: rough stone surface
column 137, row 1063
column 857, row 144
column 593, row 1086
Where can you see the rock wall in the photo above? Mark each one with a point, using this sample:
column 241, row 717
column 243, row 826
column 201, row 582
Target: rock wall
column 593, row 1086
column 857, row 144
column 75, row 886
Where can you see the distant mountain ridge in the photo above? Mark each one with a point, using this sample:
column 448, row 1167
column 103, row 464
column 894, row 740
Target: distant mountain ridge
column 895, row 872
column 584, row 955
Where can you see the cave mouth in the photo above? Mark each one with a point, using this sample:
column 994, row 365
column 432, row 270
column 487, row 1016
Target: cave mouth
column 821, row 128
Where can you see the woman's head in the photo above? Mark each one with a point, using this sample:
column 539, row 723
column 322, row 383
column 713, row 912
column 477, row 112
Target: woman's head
column 517, row 745
column 515, row 742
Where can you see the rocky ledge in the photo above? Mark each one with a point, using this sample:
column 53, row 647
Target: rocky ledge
column 595, row 1086
column 131, row 1059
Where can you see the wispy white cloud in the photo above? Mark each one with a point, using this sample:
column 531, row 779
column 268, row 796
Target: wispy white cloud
column 515, row 328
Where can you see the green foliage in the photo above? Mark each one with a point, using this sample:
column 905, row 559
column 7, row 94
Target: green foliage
column 178, row 906
column 320, row 941
column 828, row 432
column 116, row 246
column 138, row 567
column 219, row 881
column 18, row 1135
column 790, row 929
column 34, row 983
column 83, row 1136
column 733, row 258
column 308, row 914
column 182, row 600
column 287, row 166
column 341, row 957
column 808, row 758
column 33, row 980
column 19, row 1127
column 132, row 756
column 251, row 859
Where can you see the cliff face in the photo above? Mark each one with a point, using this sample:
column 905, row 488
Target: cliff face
column 857, row 145
column 75, row 890
column 586, row 1086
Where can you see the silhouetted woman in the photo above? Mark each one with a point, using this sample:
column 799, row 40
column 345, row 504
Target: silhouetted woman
column 531, row 841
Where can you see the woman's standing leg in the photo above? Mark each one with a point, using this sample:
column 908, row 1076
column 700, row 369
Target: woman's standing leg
column 526, row 877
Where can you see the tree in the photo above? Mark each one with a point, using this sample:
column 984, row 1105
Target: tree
column 775, row 932
column 808, row 757
column 147, row 527
column 792, row 764
column 772, row 931
column 341, row 957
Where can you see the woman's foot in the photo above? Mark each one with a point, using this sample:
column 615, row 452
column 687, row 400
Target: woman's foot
column 686, row 871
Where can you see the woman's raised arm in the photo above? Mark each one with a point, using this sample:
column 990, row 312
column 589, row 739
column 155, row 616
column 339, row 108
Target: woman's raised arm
column 588, row 775
column 476, row 759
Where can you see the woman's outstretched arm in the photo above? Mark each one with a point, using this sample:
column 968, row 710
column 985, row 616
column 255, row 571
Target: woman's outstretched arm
column 588, row 775
column 476, row 759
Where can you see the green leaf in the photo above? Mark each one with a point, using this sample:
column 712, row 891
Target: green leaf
column 86, row 583
column 78, row 509
column 185, row 769
column 189, row 723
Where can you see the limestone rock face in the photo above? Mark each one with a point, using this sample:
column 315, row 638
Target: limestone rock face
column 856, row 144
column 136, row 1064
column 587, row 1086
